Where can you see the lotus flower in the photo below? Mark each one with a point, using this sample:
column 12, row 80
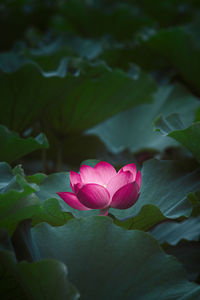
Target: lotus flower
column 102, row 187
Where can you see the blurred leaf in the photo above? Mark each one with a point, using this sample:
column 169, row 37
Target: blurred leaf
column 75, row 102
column 91, row 146
column 46, row 279
column 173, row 232
column 174, row 47
column 120, row 21
column 14, row 185
column 95, row 95
column 108, row 251
column 16, row 210
column 194, row 199
column 13, row 147
column 51, row 213
column 17, row 198
column 24, row 246
column 189, row 137
column 11, row 61
column 65, row 46
column 36, row 178
column 90, row 162
column 5, row 242
column 133, row 129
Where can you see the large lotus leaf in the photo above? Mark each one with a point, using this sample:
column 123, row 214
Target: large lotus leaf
column 14, row 147
column 108, row 262
column 189, row 137
column 165, row 184
column 75, row 102
column 23, row 97
column 95, row 95
column 172, row 232
column 132, row 129
column 17, row 198
column 45, row 279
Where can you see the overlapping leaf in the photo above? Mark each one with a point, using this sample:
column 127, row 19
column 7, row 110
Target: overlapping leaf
column 14, row 147
column 17, row 198
column 133, row 129
column 175, row 48
column 173, row 232
column 173, row 126
column 165, row 184
column 75, row 102
column 120, row 21
column 39, row 280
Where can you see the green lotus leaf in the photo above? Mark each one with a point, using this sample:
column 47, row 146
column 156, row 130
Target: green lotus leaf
column 17, row 198
column 113, row 257
column 173, row 127
column 75, row 101
column 14, row 147
column 38, row 280
column 187, row 252
column 172, row 232
column 132, row 129
column 165, row 184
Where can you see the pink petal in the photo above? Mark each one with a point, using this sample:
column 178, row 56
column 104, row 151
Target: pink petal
column 130, row 167
column 138, row 179
column 94, row 196
column 106, row 171
column 118, row 181
column 90, row 175
column 75, row 178
column 72, row 200
column 126, row 196
column 77, row 187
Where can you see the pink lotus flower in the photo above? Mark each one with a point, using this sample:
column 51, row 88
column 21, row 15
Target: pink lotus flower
column 102, row 187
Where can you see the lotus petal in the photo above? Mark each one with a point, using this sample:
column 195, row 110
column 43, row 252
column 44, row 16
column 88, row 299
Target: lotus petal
column 126, row 196
column 72, row 200
column 94, row 196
